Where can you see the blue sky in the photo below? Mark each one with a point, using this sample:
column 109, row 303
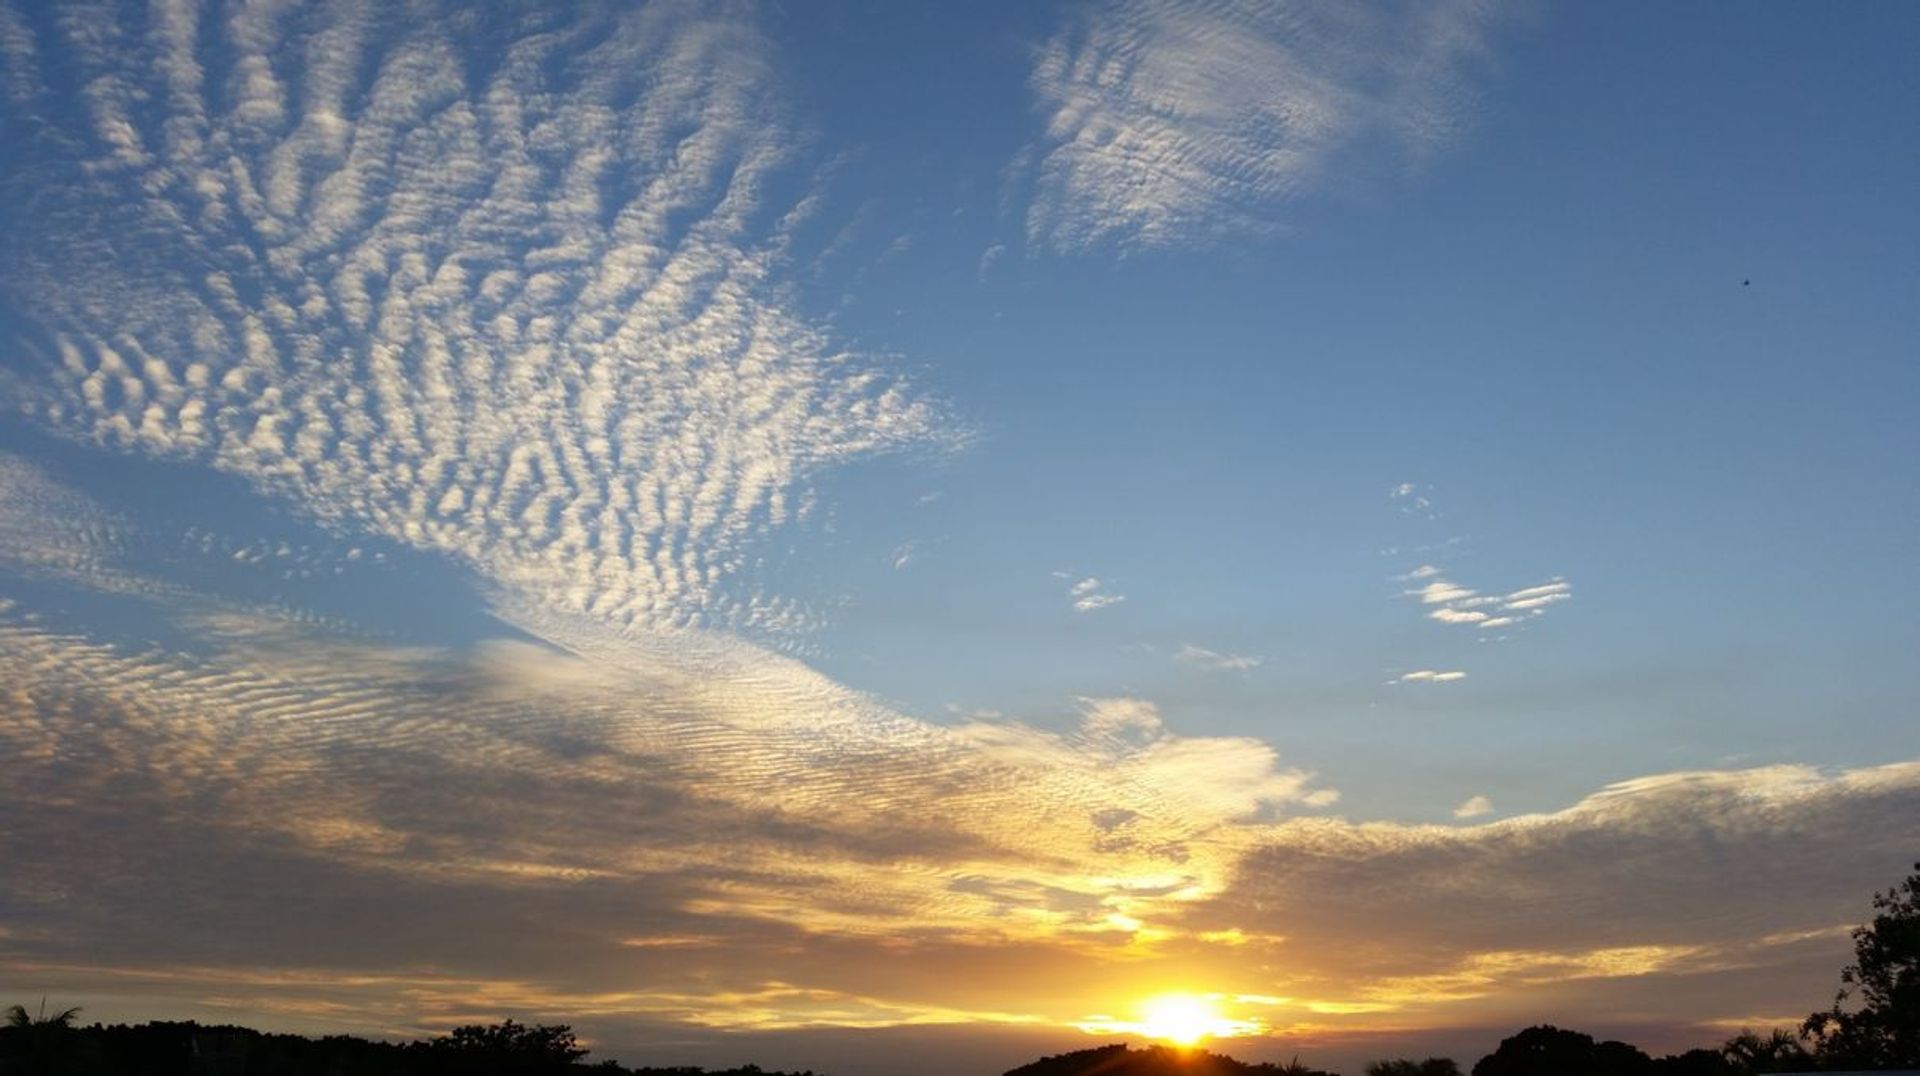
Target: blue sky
column 1082, row 491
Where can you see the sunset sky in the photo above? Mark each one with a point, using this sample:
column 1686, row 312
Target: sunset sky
column 824, row 533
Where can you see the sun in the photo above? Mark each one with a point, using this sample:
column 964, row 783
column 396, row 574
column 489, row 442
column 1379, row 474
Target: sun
column 1183, row 1019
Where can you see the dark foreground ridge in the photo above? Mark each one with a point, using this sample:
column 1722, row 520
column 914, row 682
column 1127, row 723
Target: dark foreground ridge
column 1118, row 1060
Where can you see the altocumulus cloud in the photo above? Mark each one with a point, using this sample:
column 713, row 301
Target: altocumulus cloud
column 1171, row 123
column 502, row 286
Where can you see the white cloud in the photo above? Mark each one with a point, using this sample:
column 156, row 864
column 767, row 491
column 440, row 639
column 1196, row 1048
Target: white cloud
column 1474, row 807
column 1202, row 658
column 1440, row 591
column 1090, row 593
column 1466, row 606
column 1430, row 676
column 1175, row 123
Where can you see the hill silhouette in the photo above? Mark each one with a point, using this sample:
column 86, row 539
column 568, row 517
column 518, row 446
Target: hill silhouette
column 1120, row 1060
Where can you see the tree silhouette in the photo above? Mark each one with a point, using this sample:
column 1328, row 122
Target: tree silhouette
column 17, row 1016
column 1777, row 1051
column 1883, row 1031
column 1696, row 1063
column 1551, row 1051
column 508, row 1046
column 1432, row 1066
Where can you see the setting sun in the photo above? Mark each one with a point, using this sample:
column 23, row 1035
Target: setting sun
column 1184, row 1020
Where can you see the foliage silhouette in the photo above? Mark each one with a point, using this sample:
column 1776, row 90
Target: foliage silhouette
column 505, row 1047
column 190, row 1049
column 1432, row 1066
column 1551, row 1051
column 17, row 1016
column 1777, row 1051
column 1696, row 1063
column 1883, row 1031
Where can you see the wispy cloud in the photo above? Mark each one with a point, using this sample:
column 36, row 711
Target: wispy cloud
column 1174, row 123
column 1413, row 500
column 1460, row 605
column 903, row 555
column 1214, row 661
column 1430, row 676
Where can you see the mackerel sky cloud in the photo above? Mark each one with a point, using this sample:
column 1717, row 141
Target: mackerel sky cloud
column 793, row 536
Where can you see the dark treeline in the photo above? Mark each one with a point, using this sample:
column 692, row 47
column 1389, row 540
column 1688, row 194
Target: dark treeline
column 1873, row 1025
column 54, row 1046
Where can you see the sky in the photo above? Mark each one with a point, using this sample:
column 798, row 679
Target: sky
column 824, row 533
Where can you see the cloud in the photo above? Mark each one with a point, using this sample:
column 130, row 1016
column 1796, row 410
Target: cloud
column 1089, row 594
column 652, row 816
column 1212, row 660
column 1441, row 591
column 1180, row 123
column 1688, row 883
column 653, row 811
column 1474, row 807
column 1429, row 676
column 1464, row 605
column 903, row 555
column 686, row 781
column 501, row 288
column 1414, row 500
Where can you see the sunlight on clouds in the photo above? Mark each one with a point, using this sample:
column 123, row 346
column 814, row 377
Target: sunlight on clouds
column 1485, row 973
column 858, row 820
column 1182, row 1019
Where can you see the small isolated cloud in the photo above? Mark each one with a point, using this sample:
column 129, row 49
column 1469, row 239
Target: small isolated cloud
column 1430, row 676
column 904, row 554
column 1474, row 807
column 1213, row 660
column 1456, row 604
column 1413, row 500
column 1090, row 593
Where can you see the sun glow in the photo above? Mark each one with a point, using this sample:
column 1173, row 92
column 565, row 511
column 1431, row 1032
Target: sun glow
column 1185, row 1020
